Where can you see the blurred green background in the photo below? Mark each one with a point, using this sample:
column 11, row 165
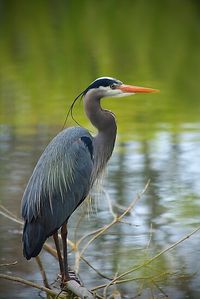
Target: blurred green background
column 49, row 52
column 52, row 50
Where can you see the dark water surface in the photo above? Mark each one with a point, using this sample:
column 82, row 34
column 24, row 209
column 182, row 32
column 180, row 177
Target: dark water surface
column 167, row 212
column 49, row 52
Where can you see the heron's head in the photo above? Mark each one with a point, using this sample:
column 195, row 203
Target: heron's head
column 110, row 87
column 107, row 87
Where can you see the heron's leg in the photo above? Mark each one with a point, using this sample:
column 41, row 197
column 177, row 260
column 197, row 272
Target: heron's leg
column 56, row 240
column 64, row 241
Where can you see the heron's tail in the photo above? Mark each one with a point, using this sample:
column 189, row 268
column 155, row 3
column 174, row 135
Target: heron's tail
column 33, row 239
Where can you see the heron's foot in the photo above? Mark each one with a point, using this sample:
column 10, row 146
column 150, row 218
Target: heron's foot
column 64, row 280
column 71, row 275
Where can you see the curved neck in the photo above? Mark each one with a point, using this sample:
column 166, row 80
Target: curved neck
column 105, row 123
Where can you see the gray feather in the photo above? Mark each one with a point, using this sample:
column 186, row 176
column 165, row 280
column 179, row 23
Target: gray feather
column 59, row 183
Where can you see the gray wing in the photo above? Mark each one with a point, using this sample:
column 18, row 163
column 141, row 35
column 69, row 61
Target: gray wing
column 59, row 183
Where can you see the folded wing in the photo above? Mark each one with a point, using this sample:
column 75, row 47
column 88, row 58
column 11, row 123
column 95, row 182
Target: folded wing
column 60, row 182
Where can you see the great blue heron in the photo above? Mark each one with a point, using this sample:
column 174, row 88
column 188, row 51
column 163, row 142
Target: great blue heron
column 67, row 169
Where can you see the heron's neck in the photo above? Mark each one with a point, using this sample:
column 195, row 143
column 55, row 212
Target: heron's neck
column 105, row 123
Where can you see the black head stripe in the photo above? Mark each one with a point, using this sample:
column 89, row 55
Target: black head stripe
column 104, row 81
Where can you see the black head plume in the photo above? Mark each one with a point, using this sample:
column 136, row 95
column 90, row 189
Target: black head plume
column 70, row 111
column 103, row 81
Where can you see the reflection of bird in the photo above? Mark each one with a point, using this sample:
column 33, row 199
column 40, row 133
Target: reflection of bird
column 67, row 170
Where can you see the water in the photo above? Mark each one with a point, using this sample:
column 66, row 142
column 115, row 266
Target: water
column 167, row 212
column 49, row 52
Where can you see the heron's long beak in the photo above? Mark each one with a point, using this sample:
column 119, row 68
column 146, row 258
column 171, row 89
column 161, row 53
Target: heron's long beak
column 135, row 89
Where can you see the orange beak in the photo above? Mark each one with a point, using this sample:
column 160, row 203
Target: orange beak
column 135, row 89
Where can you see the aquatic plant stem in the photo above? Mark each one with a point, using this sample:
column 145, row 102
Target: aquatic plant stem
column 32, row 284
column 151, row 259
column 115, row 220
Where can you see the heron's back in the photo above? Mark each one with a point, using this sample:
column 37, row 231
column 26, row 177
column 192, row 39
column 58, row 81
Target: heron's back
column 59, row 183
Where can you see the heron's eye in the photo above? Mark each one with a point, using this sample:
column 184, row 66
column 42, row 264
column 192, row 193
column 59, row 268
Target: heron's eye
column 113, row 86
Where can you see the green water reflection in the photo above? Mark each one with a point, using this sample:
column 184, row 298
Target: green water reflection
column 49, row 52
